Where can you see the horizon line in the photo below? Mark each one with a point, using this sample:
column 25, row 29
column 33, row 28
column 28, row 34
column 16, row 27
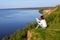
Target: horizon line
column 25, row 8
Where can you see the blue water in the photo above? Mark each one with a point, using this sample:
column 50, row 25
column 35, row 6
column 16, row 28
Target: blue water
column 11, row 20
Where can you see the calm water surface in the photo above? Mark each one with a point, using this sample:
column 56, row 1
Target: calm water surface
column 11, row 20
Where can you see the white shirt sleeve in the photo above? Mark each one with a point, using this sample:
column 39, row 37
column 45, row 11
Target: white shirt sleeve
column 37, row 20
column 43, row 23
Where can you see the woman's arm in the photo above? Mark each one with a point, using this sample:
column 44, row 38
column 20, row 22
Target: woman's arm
column 38, row 21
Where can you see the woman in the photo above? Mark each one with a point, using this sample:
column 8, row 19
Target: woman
column 41, row 22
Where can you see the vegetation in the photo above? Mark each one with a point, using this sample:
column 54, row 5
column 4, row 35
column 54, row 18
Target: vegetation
column 20, row 34
column 52, row 32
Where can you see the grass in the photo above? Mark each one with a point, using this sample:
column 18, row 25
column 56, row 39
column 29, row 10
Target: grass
column 52, row 32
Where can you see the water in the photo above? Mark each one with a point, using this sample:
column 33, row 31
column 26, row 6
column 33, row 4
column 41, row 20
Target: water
column 11, row 20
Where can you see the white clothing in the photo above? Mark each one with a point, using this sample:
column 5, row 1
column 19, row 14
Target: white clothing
column 41, row 22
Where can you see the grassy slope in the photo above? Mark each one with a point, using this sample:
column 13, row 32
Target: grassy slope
column 53, row 30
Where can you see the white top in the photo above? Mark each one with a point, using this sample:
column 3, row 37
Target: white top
column 42, row 22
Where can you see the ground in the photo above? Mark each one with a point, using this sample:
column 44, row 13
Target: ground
column 52, row 32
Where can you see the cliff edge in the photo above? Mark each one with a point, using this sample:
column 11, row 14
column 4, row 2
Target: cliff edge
column 52, row 32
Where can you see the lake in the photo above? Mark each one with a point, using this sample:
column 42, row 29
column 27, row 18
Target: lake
column 12, row 20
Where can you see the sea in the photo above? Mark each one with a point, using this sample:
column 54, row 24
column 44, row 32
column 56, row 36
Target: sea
column 12, row 20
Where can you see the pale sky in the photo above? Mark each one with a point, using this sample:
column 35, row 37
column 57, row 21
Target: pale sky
column 27, row 3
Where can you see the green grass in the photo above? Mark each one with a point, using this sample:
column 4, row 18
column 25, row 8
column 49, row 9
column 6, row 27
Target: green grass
column 52, row 32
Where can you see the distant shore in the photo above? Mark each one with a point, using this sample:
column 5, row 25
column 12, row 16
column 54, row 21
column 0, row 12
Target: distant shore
column 32, row 8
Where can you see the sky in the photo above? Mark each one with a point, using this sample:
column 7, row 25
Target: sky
column 27, row 3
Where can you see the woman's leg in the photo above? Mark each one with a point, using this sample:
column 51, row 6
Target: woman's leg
column 37, row 26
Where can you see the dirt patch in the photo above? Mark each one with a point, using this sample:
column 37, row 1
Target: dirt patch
column 49, row 11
